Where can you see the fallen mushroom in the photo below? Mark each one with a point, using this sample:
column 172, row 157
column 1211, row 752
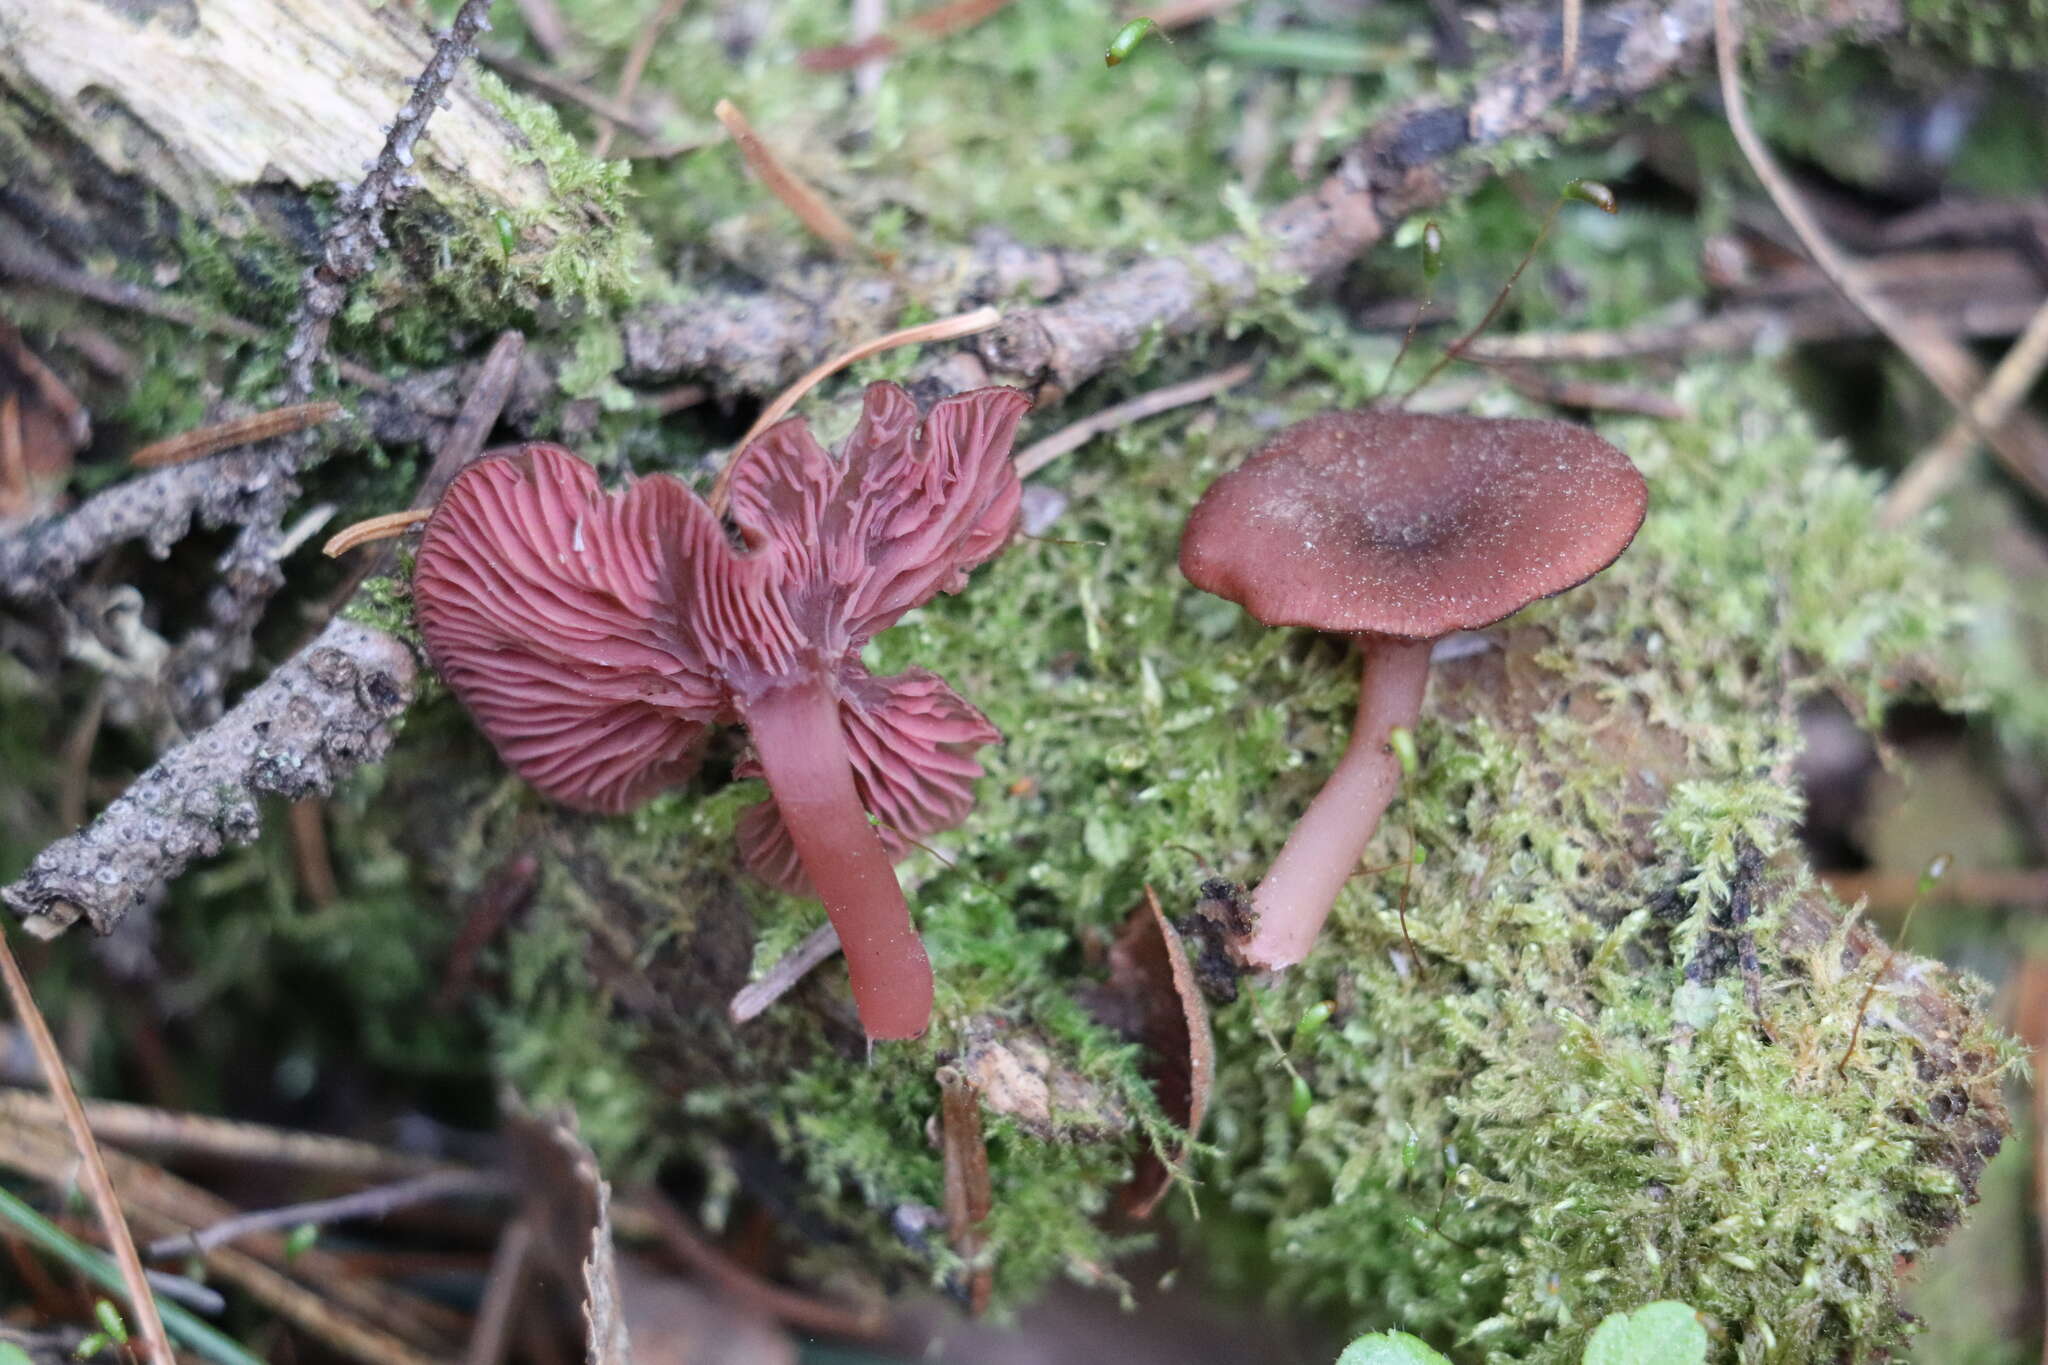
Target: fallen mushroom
column 1396, row 528
column 595, row 636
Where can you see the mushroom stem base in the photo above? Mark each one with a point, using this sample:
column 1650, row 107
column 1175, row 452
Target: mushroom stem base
column 797, row 733
column 1322, row 853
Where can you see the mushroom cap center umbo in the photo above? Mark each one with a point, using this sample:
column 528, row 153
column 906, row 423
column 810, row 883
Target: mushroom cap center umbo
column 1412, row 525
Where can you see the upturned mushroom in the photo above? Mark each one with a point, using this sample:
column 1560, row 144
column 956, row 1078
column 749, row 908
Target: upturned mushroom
column 596, row 636
column 1396, row 528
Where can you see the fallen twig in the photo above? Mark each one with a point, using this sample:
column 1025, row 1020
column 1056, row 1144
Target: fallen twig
column 635, row 67
column 495, row 1308
column 1592, row 395
column 310, row 856
column 135, row 1125
column 793, row 190
column 516, row 68
column 360, row 1317
column 22, row 260
column 236, row 431
column 546, row 26
column 141, row 1302
column 1074, row 435
column 248, row 571
column 2027, row 888
column 1911, row 340
column 323, row 713
column 753, row 999
column 1936, row 468
column 363, row 1204
column 744, row 1285
column 351, row 244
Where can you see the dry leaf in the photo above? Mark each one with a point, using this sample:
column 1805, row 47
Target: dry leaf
column 1153, row 996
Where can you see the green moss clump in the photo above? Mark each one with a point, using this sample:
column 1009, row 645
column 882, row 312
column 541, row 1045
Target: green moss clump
column 580, row 248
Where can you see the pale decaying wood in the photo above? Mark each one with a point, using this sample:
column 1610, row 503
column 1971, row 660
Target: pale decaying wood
column 193, row 97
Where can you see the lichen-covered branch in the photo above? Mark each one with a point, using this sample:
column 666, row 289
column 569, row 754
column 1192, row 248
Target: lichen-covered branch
column 40, row 561
column 248, row 572
column 1411, row 160
column 351, row 244
column 320, row 716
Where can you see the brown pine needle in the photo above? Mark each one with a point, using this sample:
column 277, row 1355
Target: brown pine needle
column 156, row 1346
column 1934, row 469
column 1039, row 454
column 373, row 528
column 945, row 329
column 1574, row 16
column 236, row 431
column 795, row 193
column 13, row 460
column 636, row 67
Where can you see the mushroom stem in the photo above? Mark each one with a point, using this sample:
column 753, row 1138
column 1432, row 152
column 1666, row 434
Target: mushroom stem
column 1298, row 891
column 797, row 733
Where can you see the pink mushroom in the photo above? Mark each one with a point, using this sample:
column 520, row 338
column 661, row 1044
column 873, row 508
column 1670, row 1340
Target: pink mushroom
column 1396, row 528
column 595, row 636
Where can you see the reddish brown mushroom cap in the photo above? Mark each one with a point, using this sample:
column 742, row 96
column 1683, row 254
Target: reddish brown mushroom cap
column 1411, row 525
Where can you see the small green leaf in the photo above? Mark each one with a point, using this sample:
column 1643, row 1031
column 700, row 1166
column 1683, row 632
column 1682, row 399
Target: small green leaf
column 10, row 1354
column 1662, row 1333
column 1390, row 1348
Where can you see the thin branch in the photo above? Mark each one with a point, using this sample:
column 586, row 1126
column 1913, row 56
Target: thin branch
column 793, row 190
column 738, row 1283
column 141, row 1303
column 363, row 1204
column 1841, row 272
column 1593, row 395
column 360, row 1317
column 30, row 264
column 550, row 82
column 495, row 1309
column 817, row 948
column 1073, row 436
column 135, row 1125
column 2023, row 888
column 1935, row 469
column 326, row 711
column 546, row 26
column 636, row 67
column 351, row 244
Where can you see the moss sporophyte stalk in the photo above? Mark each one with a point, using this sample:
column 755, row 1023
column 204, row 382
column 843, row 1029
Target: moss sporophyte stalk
column 1558, row 1104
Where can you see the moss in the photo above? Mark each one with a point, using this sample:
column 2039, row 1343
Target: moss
column 583, row 247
